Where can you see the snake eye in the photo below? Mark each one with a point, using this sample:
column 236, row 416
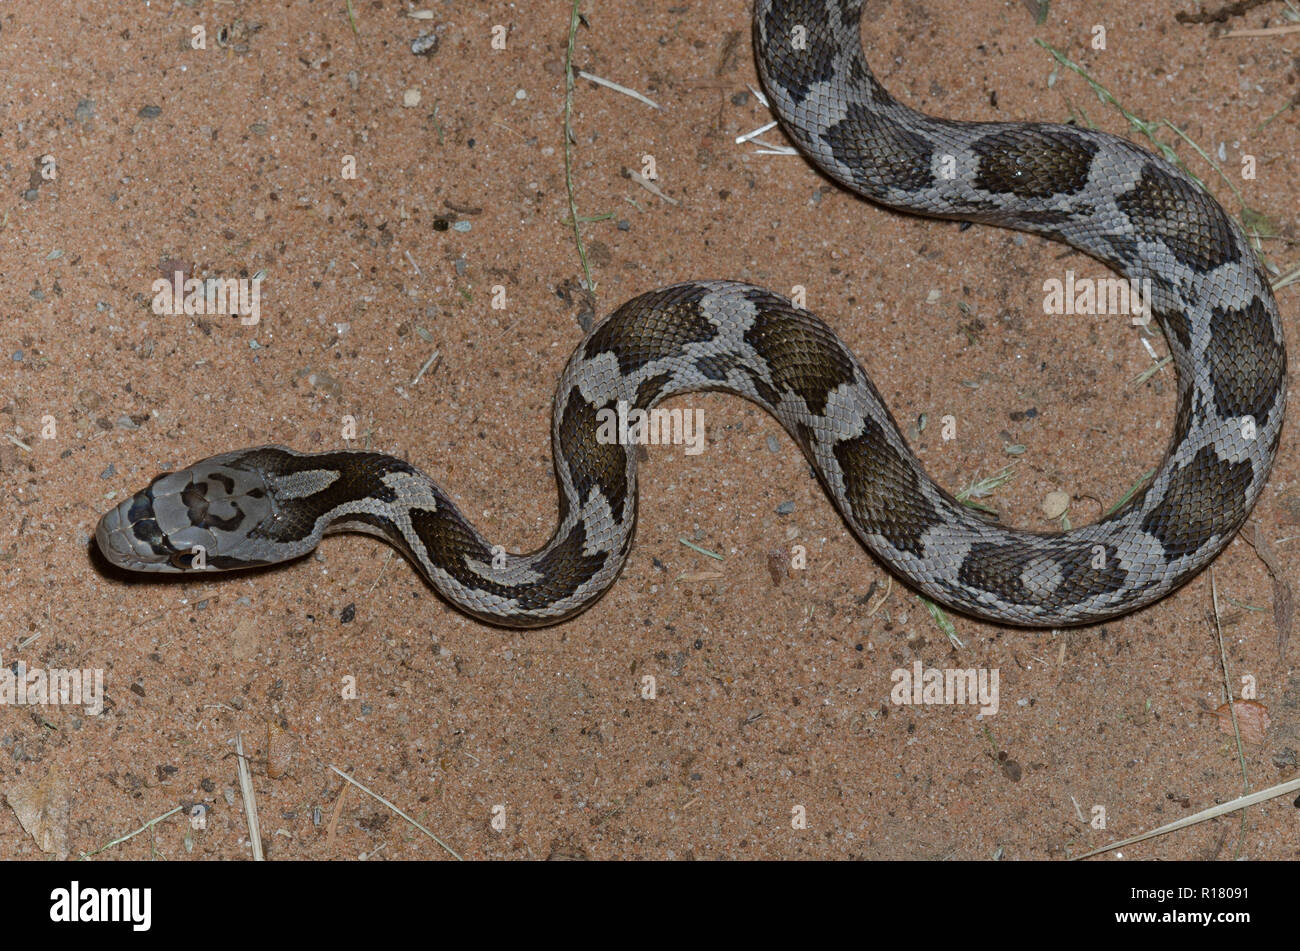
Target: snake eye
column 182, row 560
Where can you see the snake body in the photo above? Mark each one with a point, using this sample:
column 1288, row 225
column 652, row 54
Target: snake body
column 1094, row 191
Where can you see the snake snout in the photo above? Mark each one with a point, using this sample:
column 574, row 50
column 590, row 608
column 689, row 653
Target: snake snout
column 129, row 536
column 191, row 520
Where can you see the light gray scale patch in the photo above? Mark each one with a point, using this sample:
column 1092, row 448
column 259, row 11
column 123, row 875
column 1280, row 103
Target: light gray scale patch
column 301, row 485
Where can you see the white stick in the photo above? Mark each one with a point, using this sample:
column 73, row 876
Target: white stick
column 617, row 88
column 742, row 139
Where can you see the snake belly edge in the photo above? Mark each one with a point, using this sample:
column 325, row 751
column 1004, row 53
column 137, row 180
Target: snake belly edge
column 1094, row 191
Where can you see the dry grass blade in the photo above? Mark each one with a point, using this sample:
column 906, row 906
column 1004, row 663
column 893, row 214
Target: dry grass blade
column 610, row 84
column 1284, row 280
column 651, row 187
column 131, row 835
column 568, row 143
column 702, row 551
column 1283, row 596
column 250, row 799
column 981, row 488
column 1227, row 696
column 1133, row 490
column 941, row 619
column 1203, row 816
column 450, row 851
column 1265, row 31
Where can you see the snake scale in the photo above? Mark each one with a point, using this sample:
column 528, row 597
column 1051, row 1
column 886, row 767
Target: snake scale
column 1097, row 192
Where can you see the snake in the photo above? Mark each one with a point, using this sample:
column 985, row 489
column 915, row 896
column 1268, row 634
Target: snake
column 1139, row 214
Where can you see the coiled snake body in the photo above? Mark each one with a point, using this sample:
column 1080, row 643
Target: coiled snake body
column 1094, row 191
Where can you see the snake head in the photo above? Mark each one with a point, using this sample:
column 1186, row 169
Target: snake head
column 205, row 516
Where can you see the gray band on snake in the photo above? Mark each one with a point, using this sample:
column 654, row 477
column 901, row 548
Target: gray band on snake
column 1097, row 192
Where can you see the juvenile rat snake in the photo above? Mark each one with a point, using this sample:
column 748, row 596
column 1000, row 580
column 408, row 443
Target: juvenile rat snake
column 1096, row 192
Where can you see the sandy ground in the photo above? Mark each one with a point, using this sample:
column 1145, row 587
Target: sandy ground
column 125, row 152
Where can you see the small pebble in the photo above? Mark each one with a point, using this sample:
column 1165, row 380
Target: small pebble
column 426, row 44
column 18, row 356
column 1056, row 504
column 773, row 444
column 461, row 226
column 785, row 508
column 411, row 98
